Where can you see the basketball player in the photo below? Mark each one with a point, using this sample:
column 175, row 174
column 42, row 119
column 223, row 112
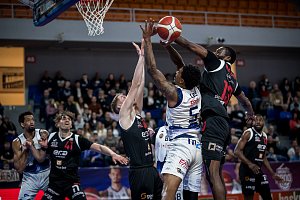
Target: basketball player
column 251, row 150
column 218, row 84
column 26, row 146
column 144, row 180
column 161, row 143
column 116, row 190
column 64, row 149
column 184, row 160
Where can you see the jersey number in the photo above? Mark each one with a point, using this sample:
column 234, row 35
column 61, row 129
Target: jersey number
column 193, row 113
column 69, row 145
column 227, row 92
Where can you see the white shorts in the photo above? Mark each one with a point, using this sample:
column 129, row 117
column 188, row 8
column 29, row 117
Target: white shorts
column 184, row 160
column 32, row 183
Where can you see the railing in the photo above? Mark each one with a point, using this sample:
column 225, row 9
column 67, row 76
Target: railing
column 186, row 17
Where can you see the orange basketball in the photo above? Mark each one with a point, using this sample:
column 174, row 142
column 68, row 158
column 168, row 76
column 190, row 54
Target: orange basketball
column 169, row 28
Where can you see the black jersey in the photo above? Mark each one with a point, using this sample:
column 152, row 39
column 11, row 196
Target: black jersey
column 256, row 146
column 218, row 83
column 65, row 156
column 137, row 144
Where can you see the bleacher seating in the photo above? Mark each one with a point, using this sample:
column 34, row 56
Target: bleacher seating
column 256, row 13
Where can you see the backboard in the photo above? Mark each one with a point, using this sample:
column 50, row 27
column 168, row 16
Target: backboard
column 44, row 11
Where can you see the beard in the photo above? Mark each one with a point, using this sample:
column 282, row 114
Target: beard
column 258, row 128
column 31, row 129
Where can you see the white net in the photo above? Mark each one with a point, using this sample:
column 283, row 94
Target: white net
column 93, row 13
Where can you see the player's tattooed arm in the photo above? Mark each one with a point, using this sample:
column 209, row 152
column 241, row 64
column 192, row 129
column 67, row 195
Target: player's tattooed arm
column 160, row 81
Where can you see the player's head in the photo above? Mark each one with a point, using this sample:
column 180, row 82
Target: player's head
column 259, row 123
column 64, row 119
column 117, row 102
column 189, row 76
column 26, row 121
column 226, row 53
column 115, row 174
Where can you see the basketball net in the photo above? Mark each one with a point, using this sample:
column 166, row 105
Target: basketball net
column 93, row 13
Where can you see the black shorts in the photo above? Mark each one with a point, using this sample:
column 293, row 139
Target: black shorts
column 215, row 138
column 254, row 182
column 58, row 190
column 145, row 183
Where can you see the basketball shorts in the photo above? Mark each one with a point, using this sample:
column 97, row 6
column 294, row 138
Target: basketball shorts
column 215, row 138
column 184, row 160
column 58, row 190
column 145, row 183
column 254, row 182
column 179, row 193
column 32, row 183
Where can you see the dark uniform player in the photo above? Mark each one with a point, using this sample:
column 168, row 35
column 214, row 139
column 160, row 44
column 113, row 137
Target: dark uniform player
column 251, row 150
column 144, row 179
column 64, row 149
column 217, row 86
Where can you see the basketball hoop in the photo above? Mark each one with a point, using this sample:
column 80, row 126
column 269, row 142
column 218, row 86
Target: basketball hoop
column 93, row 13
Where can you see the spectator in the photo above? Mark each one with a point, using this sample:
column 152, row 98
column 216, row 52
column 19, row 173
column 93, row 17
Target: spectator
column 93, row 121
column 150, row 122
column 84, row 84
column 123, row 82
column 294, row 106
column 94, row 106
column 292, row 150
column 111, row 79
column 87, row 131
column 271, row 156
column 276, row 98
column 80, row 106
column 296, row 156
column 102, row 100
column 87, row 114
column 79, row 123
column 46, row 82
column 114, row 127
column 254, row 96
column 295, row 127
column 96, row 82
column 107, row 120
column 70, row 105
column 59, row 82
column 43, row 104
column 77, row 91
column 296, row 86
column 111, row 142
column 265, row 83
column 51, row 110
column 149, row 100
column 7, row 153
column 273, row 139
column 66, row 91
column 238, row 119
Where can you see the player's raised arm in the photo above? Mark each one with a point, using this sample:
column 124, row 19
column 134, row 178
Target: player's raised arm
column 135, row 94
column 193, row 47
column 160, row 81
column 174, row 55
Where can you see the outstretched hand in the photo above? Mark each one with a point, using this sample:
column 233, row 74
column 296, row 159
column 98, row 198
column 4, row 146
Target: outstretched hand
column 140, row 51
column 149, row 29
column 118, row 158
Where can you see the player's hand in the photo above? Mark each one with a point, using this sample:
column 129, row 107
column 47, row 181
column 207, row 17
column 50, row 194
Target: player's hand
column 117, row 158
column 165, row 43
column 28, row 143
column 140, row 51
column 44, row 134
column 250, row 120
column 149, row 29
column 277, row 178
column 43, row 143
column 255, row 168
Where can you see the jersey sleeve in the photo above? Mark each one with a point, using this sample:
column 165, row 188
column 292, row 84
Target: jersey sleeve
column 84, row 143
column 211, row 62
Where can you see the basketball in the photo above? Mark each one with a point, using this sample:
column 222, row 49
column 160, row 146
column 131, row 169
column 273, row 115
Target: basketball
column 169, row 28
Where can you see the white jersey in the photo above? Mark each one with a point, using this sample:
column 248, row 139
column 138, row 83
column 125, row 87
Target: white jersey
column 161, row 144
column 121, row 194
column 183, row 118
column 32, row 165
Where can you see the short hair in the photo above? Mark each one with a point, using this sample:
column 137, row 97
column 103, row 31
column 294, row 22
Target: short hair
column 114, row 102
column 191, row 76
column 230, row 52
column 22, row 116
column 64, row 113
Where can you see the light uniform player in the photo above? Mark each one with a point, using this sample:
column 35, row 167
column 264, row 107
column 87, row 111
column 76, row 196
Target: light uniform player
column 184, row 158
column 161, row 149
column 35, row 174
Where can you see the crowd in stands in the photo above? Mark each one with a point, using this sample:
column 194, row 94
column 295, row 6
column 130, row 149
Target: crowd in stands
column 89, row 98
